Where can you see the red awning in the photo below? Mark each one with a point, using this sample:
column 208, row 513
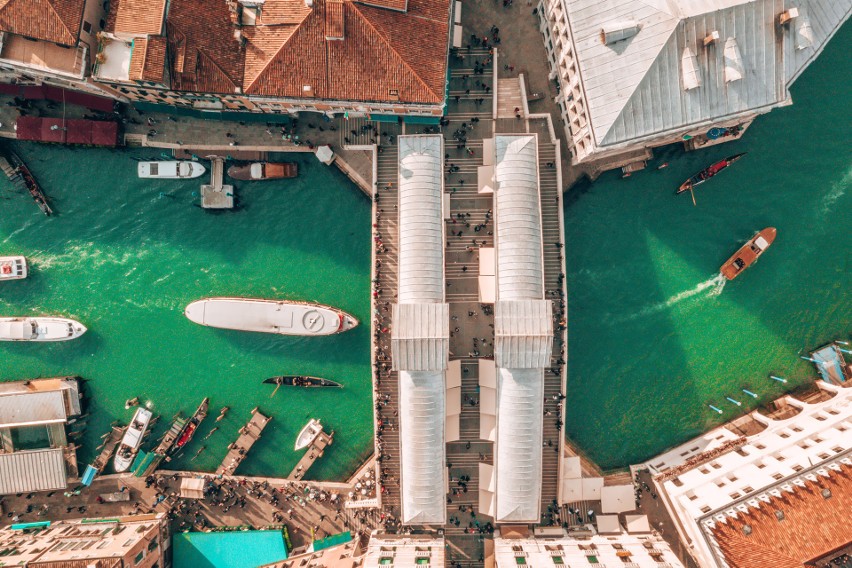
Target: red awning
column 72, row 131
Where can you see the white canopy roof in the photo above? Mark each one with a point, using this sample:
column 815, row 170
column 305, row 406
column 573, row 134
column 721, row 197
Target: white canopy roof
column 192, row 487
column 617, row 499
column 637, row 524
column 520, row 400
column 520, row 272
column 32, row 408
column 40, row 470
column 608, row 524
column 422, row 447
column 421, row 223
column 523, row 333
column 420, row 336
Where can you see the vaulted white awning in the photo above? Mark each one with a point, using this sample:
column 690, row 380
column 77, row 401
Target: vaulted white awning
column 421, row 439
column 40, row 470
column 520, row 402
column 32, row 408
column 520, row 271
column 421, row 223
column 420, row 337
column 523, row 332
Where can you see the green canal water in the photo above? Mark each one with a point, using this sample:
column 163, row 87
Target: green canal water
column 124, row 256
column 653, row 337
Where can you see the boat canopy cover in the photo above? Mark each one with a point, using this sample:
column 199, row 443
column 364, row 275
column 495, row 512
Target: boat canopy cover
column 21, row 330
column 761, row 243
column 523, row 333
column 520, row 271
column 420, row 337
column 256, row 170
column 422, row 446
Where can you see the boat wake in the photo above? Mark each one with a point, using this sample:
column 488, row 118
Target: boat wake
column 837, row 191
column 708, row 289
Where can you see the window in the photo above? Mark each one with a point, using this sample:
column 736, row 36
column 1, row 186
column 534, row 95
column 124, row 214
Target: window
column 777, row 476
column 152, row 545
column 592, row 559
column 558, row 560
column 87, row 27
column 705, row 509
column 520, row 560
column 139, row 557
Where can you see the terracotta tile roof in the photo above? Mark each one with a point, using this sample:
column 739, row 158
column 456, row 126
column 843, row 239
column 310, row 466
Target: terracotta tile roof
column 401, row 5
column 812, row 526
column 334, row 19
column 137, row 17
column 148, row 62
column 382, row 51
column 205, row 54
column 57, row 21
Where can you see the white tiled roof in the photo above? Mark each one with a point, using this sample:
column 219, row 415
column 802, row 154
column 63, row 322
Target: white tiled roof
column 421, row 337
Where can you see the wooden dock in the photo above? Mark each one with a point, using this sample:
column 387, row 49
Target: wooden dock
column 249, row 434
column 215, row 195
column 315, row 452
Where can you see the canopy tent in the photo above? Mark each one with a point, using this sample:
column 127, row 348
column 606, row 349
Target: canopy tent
column 581, row 489
column 324, row 154
column 420, row 340
column 192, row 487
column 637, row 524
column 487, row 487
column 618, row 499
column 485, row 179
column 608, row 524
column 487, row 373
column 571, row 468
column 487, row 262
column 523, row 333
column 454, row 374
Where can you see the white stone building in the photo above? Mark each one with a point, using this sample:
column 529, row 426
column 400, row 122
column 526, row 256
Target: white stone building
column 638, row 74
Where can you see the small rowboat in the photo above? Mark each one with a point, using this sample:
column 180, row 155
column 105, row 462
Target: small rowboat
column 707, row 173
column 301, row 381
column 258, row 171
column 749, row 253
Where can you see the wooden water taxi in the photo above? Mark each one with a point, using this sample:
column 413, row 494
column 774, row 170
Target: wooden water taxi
column 258, row 171
column 748, row 253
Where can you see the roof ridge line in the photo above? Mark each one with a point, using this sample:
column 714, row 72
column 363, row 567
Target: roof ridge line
column 56, row 13
column 395, row 52
column 275, row 55
column 219, row 67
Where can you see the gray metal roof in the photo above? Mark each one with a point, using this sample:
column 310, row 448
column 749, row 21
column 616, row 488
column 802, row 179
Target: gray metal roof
column 421, row 219
column 523, row 333
column 422, row 448
column 32, row 408
column 420, row 337
column 40, row 470
column 520, row 272
column 520, row 403
column 636, row 88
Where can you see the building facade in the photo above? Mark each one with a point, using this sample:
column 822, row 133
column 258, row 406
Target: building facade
column 637, row 75
column 138, row 541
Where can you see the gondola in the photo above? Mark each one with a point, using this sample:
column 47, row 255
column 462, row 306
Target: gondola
column 301, row 381
column 708, row 172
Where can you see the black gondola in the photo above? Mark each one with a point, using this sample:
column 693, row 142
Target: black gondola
column 301, row 381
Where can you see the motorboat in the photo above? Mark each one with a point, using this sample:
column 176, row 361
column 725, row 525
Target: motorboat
column 170, row 169
column 40, row 329
column 282, row 317
column 308, row 434
column 301, row 381
column 257, row 171
column 13, row 267
column 748, row 253
column 132, row 439
column 708, row 172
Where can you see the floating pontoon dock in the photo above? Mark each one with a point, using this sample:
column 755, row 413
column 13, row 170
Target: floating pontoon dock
column 315, row 452
column 249, row 434
column 215, row 195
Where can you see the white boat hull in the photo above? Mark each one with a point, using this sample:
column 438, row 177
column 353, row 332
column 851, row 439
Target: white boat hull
column 269, row 316
column 308, row 434
column 170, row 169
column 131, row 441
column 13, row 268
column 40, row 329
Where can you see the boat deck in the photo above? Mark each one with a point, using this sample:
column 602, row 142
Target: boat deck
column 249, row 434
column 314, row 452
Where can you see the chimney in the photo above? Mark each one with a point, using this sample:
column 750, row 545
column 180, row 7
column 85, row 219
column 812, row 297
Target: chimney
column 787, row 16
column 307, row 91
column 619, row 31
column 711, row 38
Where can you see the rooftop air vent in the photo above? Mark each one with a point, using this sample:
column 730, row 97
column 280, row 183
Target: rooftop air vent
column 619, row 31
column 779, row 514
column 746, row 530
column 733, row 61
column 826, row 493
column 787, row 15
column 307, row 91
column 711, row 38
column 689, row 68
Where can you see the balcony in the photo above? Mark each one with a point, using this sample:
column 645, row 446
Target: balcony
column 43, row 56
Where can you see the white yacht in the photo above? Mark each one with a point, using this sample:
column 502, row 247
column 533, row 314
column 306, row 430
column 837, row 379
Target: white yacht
column 13, row 267
column 132, row 440
column 40, row 329
column 269, row 316
column 308, row 434
column 173, row 169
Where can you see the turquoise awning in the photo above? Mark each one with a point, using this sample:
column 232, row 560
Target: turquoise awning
column 422, row 119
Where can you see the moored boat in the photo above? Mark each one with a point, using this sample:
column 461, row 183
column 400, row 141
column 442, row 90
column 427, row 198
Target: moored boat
column 708, row 172
column 301, row 381
column 170, row 169
column 258, row 171
column 40, row 329
column 19, row 174
column 192, row 425
column 269, row 316
column 748, row 253
column 13, row 267
column 308, row 434
column 131, row 440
